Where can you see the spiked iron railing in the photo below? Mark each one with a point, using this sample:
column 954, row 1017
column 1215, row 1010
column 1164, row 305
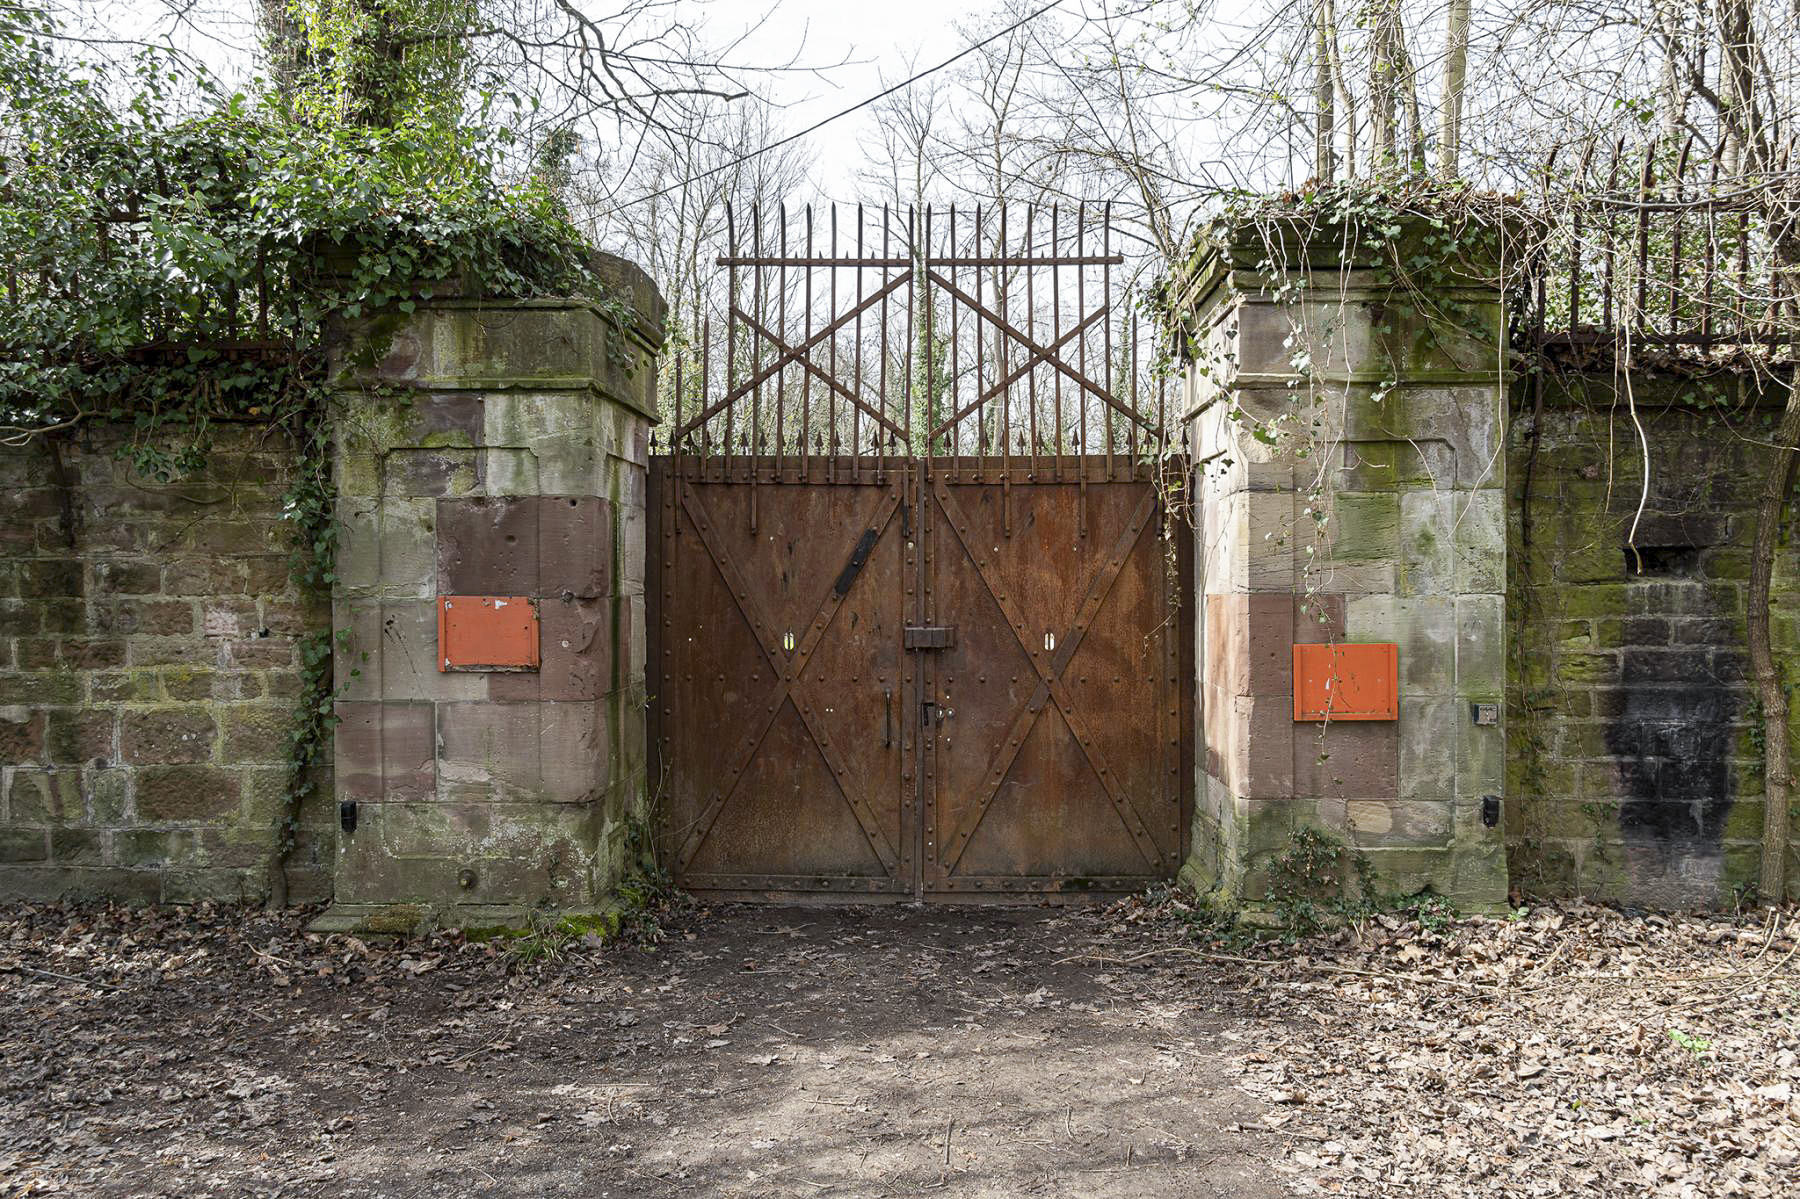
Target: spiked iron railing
column 860, row 332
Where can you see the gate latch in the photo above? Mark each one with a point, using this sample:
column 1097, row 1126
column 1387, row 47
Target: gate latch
column 930, row 636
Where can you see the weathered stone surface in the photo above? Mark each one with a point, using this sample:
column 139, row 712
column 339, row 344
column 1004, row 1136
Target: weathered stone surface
column 391, row 652
column 47, row 884
column 1627, row 690
column 37, row 797
column 493, row 786
column 1365, row 526
column 1481, row 544
column 576, row 650
column 186, row 793
column 168, row 735
column 386, row 751
column 1426, row 770
column 22, row 735
column 77, row 735
column 542, row 752
column 138, row 625
column 575, row 547
column 24, row 845
column 433, row 471
column 1249, row 643
column 257, row 733
column 488, row 546
column 1348, row 759
column 1428, row 533
column 128, row 576
column 1405, row 823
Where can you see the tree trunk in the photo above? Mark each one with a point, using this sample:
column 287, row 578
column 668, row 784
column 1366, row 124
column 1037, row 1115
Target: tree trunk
column 1324, row 150
column 1381, row 88
column 1737, row 83
column 1344, row 114
column 1778, row 483
column 1408, row 86
column 1456, row 69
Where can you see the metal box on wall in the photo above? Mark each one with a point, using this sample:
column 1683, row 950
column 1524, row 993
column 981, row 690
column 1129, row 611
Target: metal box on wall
column 1354, row 681
column 487, row 632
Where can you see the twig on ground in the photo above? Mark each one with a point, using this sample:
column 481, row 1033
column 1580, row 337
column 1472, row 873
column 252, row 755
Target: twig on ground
column 21, row 968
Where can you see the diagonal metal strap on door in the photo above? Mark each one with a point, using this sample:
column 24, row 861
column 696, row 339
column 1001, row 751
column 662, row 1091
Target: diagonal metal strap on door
column 1050, row 686
column 789, row 681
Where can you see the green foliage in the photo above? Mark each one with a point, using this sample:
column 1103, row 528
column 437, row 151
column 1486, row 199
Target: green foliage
column 377, row 63
column 1318, row 882
column 149, row 236
column 1696, row 1045
column 550, row 937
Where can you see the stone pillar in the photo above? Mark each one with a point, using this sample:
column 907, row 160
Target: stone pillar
column 1349, row 484
column 492, row 449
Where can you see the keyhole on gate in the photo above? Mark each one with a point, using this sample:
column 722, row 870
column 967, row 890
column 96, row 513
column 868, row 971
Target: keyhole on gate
column 1049, row 642
column 787, row 641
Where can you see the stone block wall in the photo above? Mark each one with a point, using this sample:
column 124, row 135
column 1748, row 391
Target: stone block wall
column 493, row 450
column 1348, row 487
column 1633, row 734
column 149, row 673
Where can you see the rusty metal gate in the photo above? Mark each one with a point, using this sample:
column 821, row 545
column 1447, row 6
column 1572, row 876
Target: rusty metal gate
column 913, row 585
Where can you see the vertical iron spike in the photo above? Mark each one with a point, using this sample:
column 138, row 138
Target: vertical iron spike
column 1031, row 333
column 1056, row 379
column 1640, row 317
column 951, row 407
column 1001, row 358
column 861, row 386
column 981, row 416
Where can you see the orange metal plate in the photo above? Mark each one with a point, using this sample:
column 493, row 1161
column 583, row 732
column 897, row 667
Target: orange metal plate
column 1347, row 681
column 487, row 632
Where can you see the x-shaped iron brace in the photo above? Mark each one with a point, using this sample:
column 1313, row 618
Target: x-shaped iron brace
column 790, row 353
column 1039, row 352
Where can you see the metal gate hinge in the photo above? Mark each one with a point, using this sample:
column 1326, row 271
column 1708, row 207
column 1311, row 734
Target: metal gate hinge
column 930, row 636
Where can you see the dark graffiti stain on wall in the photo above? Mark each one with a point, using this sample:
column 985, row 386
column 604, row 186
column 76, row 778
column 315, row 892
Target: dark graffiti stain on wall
column 1672, row 724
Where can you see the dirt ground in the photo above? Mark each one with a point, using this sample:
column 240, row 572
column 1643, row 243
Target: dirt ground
column 901, row 1051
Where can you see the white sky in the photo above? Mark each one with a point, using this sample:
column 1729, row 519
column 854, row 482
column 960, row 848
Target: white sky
column 875, row 40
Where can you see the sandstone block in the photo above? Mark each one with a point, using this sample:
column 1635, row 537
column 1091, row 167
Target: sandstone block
column 168, row 735
column 186, row 793
column 385, row 752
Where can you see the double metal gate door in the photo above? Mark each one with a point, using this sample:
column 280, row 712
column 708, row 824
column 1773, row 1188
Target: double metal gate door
column 915, row 678
column 912, row 628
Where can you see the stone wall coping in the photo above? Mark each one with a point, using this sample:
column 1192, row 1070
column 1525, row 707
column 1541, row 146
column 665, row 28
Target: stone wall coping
column 647, row 331
column 1204, row 289
column 1229, row 254
column 412, row 362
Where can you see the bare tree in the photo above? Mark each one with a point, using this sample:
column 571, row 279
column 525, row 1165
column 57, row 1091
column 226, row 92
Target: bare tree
column 668, row 213
column 1456, row 68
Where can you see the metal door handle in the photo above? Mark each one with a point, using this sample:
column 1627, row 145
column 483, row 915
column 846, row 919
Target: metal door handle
column 887, row 717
